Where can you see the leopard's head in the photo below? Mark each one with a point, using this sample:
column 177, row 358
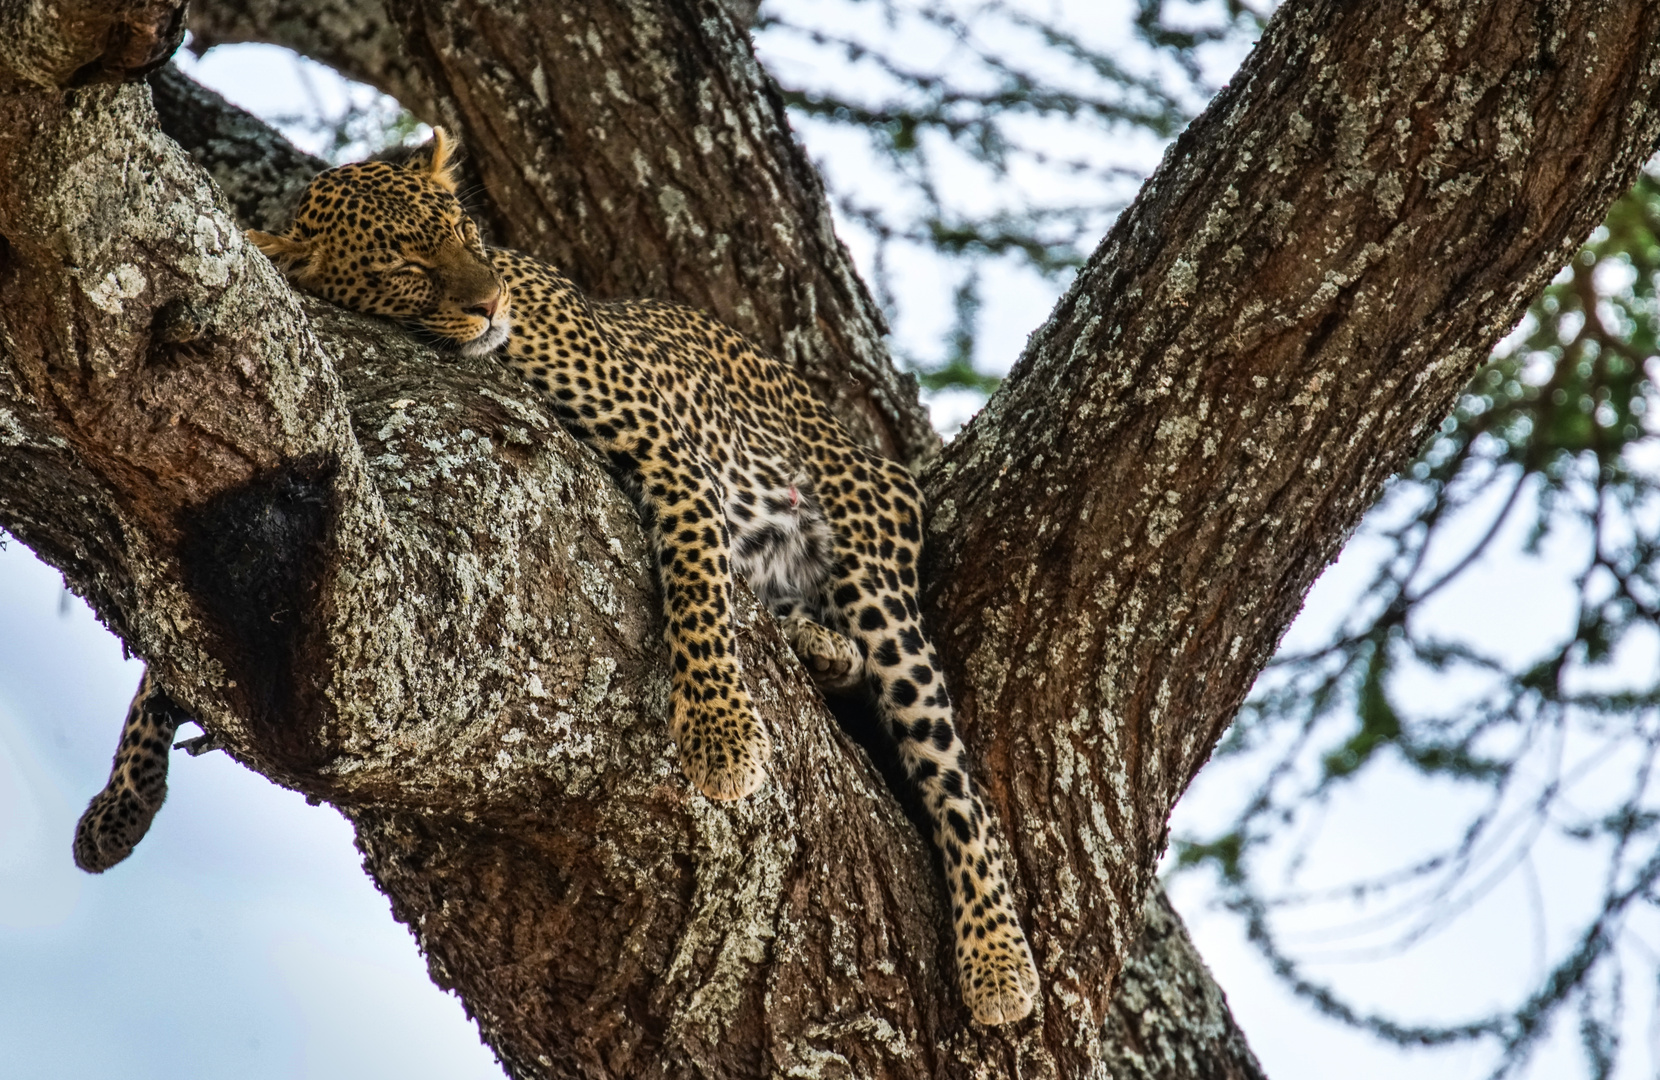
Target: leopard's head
column 393, row 240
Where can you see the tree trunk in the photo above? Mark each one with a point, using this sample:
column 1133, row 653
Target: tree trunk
column 386, row 578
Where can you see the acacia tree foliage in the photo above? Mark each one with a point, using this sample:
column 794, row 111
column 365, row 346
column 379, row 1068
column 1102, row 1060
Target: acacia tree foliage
column 260, row 494
column 990, row 133
column 1549, row 445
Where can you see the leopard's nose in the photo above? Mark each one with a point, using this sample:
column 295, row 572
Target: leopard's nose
column 488, row 308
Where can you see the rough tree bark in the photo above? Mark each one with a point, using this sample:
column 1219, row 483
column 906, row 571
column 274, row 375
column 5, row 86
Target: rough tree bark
column 386, row 579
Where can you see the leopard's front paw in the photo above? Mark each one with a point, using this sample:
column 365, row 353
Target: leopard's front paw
column 999, row 980
column 723, row 747
column 832, row 659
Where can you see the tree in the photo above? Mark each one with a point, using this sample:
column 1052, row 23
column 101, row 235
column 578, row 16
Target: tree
column 386, row 579
column 1540, row 477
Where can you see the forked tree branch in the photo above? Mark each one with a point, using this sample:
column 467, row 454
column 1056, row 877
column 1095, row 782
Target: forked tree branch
column 1173, row 1020
column 386, row 579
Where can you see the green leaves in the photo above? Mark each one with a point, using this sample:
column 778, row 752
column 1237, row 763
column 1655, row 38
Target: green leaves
column 1585, row 342
column 1379, row 726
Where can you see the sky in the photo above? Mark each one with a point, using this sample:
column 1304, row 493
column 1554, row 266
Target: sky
column 244, row 939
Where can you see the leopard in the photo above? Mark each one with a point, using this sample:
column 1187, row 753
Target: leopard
column 739, row 473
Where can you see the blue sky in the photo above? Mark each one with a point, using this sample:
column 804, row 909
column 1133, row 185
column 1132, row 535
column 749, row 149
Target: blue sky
column 242, row 939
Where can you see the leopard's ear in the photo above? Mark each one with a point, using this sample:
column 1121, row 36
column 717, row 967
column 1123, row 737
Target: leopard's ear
column 436, row 160
column 287, row 252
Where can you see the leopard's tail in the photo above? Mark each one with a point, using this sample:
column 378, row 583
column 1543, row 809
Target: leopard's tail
column 119, row 816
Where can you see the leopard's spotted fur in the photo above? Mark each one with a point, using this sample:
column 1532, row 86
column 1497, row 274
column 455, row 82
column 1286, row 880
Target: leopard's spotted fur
column 738, row 471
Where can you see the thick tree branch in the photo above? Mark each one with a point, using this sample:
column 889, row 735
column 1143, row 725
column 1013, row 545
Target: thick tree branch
column 177, row 440
column 1169, row 1020
column 355, row 37
column 1177, row 1016
column 385, row 578
column 1261, row 341
column 85, row 42
column 259, row 171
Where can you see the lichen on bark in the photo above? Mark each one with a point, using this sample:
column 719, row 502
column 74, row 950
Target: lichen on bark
column 470, row 665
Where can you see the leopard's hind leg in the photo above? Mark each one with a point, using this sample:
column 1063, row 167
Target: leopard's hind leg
column 994, row 962
column 722, row 744
column 119, row 816
column 877, row 602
